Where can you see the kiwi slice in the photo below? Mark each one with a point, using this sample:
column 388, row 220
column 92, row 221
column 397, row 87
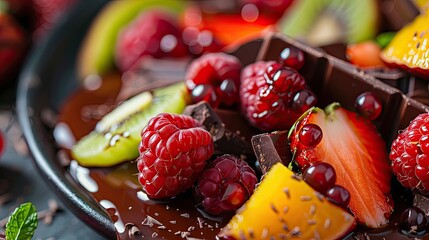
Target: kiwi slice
column 116, row 137
column 324, row 22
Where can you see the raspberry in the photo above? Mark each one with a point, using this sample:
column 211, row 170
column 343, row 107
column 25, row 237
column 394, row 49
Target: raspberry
column 410, row 155
column 215, row 78
column 173, row 152
column 154, row 34
column 269, row 93
column 225, row 185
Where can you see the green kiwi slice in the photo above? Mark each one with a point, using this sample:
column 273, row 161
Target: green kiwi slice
column 116, row 137
column 324, row 22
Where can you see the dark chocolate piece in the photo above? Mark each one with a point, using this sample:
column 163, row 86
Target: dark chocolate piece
column 271, row 148
column 150, row 74
column 421, row 202
column 225, row 140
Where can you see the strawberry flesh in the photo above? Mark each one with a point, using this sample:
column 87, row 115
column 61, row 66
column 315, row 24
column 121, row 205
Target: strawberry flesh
column 352, row 145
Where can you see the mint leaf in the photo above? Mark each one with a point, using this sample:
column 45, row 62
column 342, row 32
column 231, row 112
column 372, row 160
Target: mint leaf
column 22, row 223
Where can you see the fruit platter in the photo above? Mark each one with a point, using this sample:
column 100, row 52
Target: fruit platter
column 235, row 119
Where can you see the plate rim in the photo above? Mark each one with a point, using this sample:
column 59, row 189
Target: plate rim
column 28, row 86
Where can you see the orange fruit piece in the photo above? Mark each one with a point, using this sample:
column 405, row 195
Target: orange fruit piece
column 409, row 48
column 365, row 54
column 283, row 206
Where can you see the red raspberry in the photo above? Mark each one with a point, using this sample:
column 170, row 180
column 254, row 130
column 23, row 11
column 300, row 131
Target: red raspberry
column 154, row 34
column 272, row 96
column 173, row 152
column 225, row 185
column 410, row 155
column 215, row 78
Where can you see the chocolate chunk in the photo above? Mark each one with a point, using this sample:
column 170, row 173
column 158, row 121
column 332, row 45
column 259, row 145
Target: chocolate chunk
column 421, row 202
column 271, row 148
column 150, row 74
column 226, row 140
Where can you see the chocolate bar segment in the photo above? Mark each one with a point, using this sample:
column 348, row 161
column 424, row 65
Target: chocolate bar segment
column 226, row 140
column 271, row 148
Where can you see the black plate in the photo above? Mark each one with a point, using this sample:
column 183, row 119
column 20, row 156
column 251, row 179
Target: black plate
column 47, row 79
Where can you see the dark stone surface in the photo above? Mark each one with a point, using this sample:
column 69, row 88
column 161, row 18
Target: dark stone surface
column 20, row 179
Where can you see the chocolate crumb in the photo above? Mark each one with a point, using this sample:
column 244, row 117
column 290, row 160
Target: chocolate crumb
column 200, row 222
column 305, row 198
column 283, row 236
column 312, row 209
column 287, row 192
column 264, row 233
column 150, row 221
column 285, row 227
column 296, row 177
column 191, row 228
column 173, row 222
column 311, row 222
column 316, row 235
column 274, row 208
column 186, row 215
column 327, row 223
column 285, row 209
column 185, row 234
column 296, row 231
column 251, row 233
column 319, row 196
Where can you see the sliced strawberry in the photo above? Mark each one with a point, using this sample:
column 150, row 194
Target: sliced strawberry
column 352, row 145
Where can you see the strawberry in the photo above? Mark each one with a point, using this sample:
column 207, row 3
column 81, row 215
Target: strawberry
column 352, row 145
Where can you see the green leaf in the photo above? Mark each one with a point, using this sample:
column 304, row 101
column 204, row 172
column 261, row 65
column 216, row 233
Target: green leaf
column 22, row 223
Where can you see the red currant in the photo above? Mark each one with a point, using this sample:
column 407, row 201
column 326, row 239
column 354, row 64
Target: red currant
column 321, row 176
column 303, row 100
column 205, row 92
column 414, row 218
column 310, row 135
column 368, row 105
column 339, row 195
column 292, row 57
column 285, row 78
column 228, row 92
